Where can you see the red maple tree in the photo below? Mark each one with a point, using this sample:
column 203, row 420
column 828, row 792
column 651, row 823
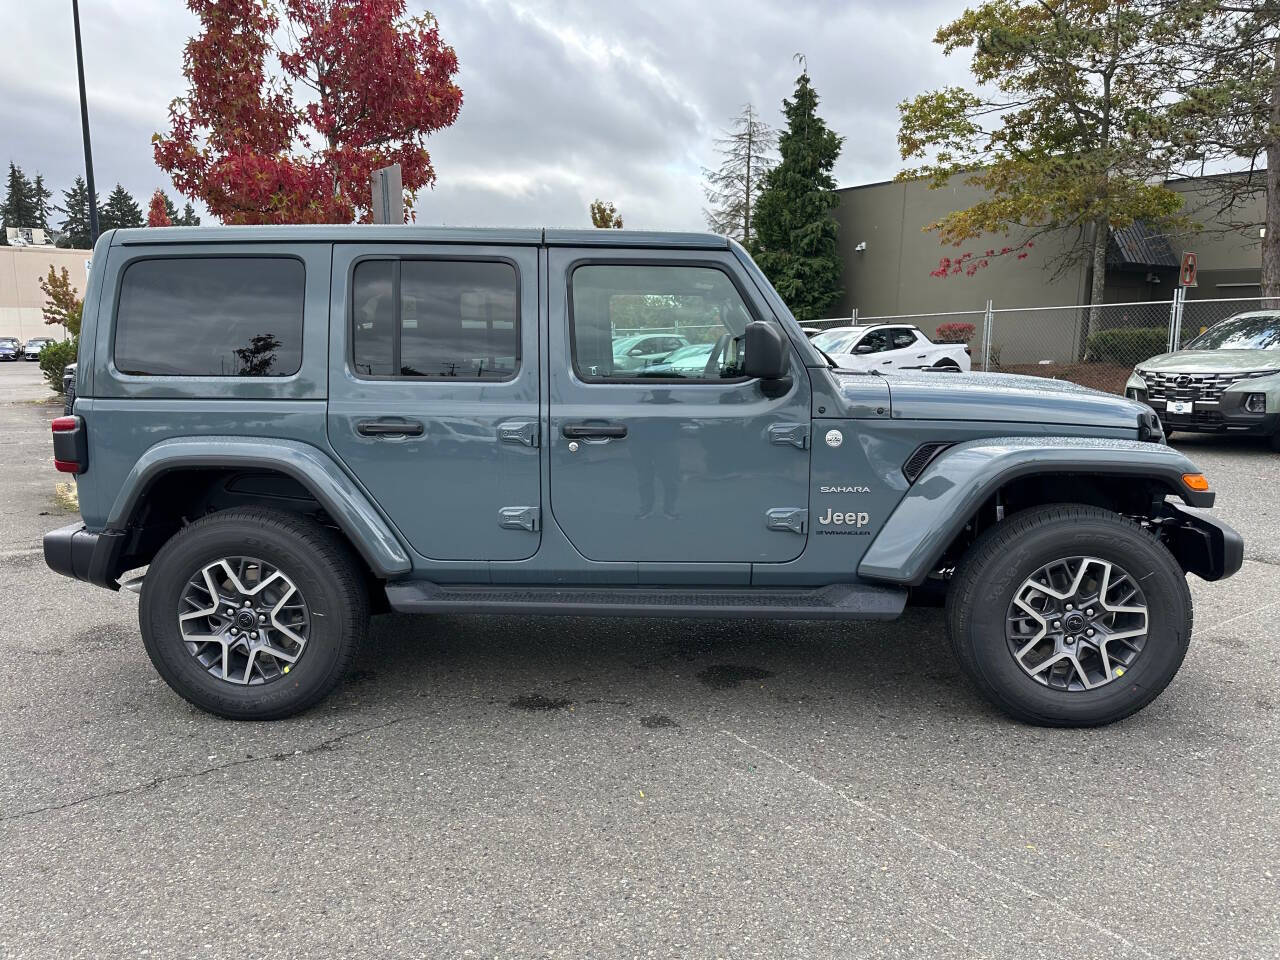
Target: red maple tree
column 157, row 215
column 292, row 104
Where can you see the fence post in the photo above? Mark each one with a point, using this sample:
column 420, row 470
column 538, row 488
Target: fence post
column 1175, row 318
column 854, row 318
column 988, row 321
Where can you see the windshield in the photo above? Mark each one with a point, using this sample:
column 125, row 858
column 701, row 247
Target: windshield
column 830, row 341
column 1256, row 331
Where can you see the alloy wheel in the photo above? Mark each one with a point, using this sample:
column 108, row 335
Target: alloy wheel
column 1077, row 623
column 244, row 620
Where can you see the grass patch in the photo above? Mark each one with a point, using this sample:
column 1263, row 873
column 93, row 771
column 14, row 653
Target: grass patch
column 66, row 496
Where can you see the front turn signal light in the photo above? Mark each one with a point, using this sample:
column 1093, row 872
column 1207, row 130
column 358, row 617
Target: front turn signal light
column 1196, row 481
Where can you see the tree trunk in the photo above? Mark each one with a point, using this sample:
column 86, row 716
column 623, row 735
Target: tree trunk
column 1271, row 238
column 1097, row 279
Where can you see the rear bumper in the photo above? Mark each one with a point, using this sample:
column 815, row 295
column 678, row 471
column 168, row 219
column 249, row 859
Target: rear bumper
column 1202, row 543
column 76, row 552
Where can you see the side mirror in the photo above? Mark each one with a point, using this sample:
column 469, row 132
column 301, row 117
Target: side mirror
column 862, row 348
column 635, row 352
column 764, row 351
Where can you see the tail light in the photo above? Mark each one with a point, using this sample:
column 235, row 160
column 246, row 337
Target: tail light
column 70, row 445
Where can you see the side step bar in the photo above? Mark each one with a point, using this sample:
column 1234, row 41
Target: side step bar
column 839, row 601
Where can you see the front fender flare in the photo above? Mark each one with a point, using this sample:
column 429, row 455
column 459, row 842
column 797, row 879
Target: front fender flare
column 952, row 488
column 341, row 498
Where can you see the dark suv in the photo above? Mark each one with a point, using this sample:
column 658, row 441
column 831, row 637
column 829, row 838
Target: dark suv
column 292, row 427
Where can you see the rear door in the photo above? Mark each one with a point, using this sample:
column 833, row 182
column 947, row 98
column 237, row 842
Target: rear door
column 433, row 392
column 678, row 464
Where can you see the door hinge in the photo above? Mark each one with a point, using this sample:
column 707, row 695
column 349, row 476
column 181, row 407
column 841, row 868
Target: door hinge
column 796, row 434
column 519, row 518
column 519, row 431
column 790, row 519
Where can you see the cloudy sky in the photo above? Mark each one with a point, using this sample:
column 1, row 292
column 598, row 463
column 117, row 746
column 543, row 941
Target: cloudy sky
column 563, row 101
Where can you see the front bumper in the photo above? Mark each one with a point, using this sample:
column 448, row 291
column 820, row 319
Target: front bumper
column 1225, row 416
column 1201, row 543
column 75, row 551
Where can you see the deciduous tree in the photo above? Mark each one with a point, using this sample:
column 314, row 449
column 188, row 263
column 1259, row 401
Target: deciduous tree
column 1066, row 128
column 732, row 189
column 291, row 105
column 158, row 210
column 605, row 216
column 63, row 306
column 1228, row 113
column 795, row 232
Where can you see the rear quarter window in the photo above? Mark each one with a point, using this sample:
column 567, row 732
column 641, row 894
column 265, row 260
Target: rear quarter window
column 210, row 317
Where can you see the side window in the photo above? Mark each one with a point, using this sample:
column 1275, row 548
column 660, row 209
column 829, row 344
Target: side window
column 210, row 317
column 633, row 321
column 435, row 318
column 902, row 339
column 877, row 341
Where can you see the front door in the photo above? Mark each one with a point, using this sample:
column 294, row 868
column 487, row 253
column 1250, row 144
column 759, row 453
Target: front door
column 433, row 392
column 682, row 459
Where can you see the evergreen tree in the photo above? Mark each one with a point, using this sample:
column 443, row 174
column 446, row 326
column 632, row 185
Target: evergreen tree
column 19, row 201
column 75, row 207
column 40, row 197
column 795, row 234
column 120, row 210
column 188, row 217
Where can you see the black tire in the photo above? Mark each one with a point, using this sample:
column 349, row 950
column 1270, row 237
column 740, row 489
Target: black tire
column 1275, row 441
column 318, row 562
column 945, row 364
column 997, row 565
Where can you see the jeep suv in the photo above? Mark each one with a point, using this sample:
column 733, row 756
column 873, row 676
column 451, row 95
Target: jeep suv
column 292, row 427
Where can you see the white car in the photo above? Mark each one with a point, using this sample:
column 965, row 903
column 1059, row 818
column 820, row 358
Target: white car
column 889, row 346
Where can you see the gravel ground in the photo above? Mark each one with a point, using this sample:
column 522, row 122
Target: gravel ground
column 579, row 787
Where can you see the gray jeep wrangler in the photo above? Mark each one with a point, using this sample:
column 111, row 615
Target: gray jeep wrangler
column 291, row 428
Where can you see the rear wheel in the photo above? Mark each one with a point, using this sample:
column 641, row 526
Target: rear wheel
column 1069, row 615
column 253, row 614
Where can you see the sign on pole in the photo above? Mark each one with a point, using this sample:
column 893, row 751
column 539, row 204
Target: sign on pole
column 1187, row 276
column 388, row 195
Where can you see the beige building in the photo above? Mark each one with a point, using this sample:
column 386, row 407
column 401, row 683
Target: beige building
column 887, row 256
column 21, row 299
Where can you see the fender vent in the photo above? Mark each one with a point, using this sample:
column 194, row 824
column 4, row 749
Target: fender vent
column 922, row 457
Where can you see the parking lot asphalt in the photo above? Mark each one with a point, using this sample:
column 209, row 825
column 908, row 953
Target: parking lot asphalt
column 573, row 787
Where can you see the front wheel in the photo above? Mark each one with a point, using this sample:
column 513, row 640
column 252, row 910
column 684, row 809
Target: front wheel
column 1069, row 616
column 253, row 614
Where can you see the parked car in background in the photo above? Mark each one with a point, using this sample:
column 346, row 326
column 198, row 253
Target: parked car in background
column 68, row 388
column 888, row 347
column 690, row 361
column 33, row 347
column 1227, row 380
column 10, row 348
column 638, row 352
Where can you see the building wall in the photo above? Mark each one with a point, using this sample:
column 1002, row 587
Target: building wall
column 1230, row 262
column 21, row 299
column 892, row 275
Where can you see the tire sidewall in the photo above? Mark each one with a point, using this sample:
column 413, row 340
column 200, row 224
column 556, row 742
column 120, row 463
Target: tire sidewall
column 181, row 559
column 1145, row 560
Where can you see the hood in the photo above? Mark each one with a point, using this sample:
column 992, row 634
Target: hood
column 1213, row 361
column 1005, row 398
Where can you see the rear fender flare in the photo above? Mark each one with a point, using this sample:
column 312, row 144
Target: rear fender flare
column 956, row 483
column 344, row 502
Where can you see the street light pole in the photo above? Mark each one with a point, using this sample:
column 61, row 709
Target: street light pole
column 84, row 124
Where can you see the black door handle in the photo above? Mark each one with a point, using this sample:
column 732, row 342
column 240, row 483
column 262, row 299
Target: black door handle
column 594, row 431
column 389, row 427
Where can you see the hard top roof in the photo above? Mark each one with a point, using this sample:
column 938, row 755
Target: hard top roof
column 386, row 233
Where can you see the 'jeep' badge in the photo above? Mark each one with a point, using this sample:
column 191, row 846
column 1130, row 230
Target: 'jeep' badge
column 834, row 438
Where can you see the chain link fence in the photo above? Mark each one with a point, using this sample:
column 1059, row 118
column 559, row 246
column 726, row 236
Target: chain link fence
column 1095, row 346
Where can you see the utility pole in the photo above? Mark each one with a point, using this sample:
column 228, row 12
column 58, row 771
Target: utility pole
column 84, row 124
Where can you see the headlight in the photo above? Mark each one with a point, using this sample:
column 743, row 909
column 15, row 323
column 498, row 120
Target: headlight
column 1255, row 402
column 1133, row 393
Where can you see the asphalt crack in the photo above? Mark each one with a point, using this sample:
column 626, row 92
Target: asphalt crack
column 324, row 746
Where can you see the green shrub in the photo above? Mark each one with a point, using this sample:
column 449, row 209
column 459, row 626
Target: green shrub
column 54, row 358
column 1127, row 344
